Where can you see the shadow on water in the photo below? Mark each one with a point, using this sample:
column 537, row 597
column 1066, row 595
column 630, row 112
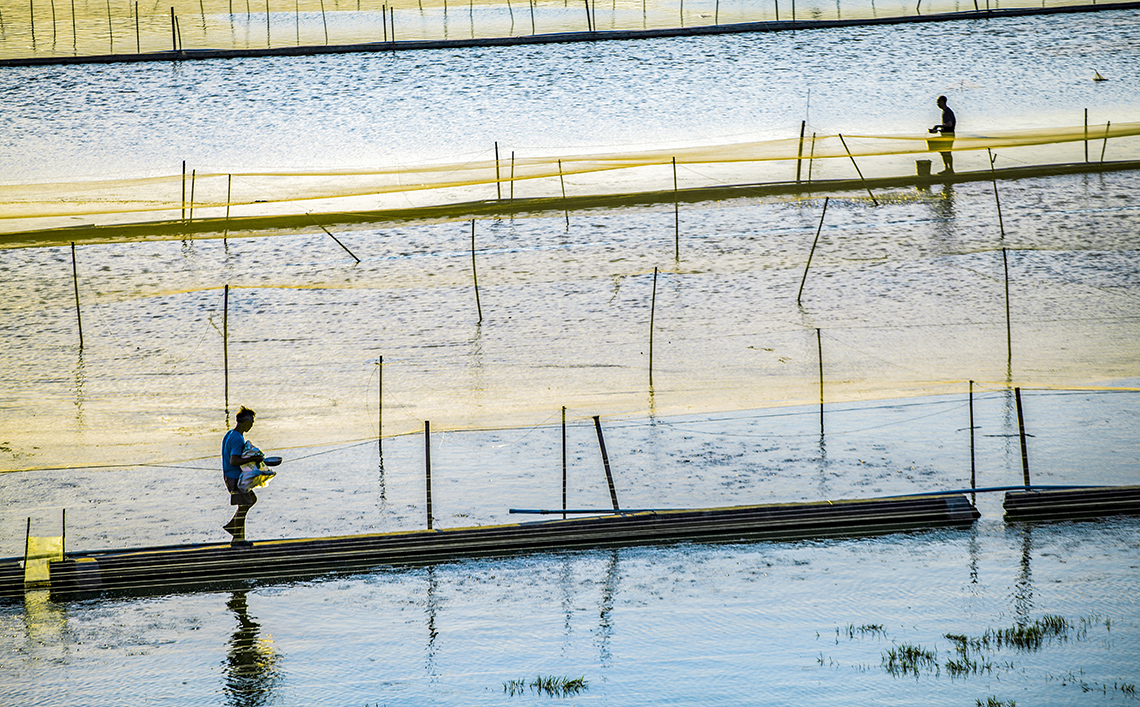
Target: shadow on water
column 252, row 670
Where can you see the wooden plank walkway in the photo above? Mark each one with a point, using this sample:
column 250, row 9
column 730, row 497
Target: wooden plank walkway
column 183, row 567
column 1072, row 504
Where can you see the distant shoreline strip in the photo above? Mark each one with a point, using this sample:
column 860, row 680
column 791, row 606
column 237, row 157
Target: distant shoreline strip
column 560, row 37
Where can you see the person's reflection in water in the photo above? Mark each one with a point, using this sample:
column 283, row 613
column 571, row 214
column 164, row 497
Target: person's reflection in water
column 252, row 670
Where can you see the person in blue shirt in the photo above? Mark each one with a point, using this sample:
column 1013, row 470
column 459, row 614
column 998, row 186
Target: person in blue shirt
column 946, row 130
column 233, row 457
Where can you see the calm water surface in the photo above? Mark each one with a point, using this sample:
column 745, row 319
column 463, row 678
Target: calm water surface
column 908, row 298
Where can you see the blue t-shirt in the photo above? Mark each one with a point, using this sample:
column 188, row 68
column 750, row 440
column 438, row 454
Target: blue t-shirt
column 233, row 444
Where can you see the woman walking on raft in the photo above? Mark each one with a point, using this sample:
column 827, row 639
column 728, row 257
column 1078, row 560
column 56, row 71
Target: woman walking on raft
column 233, row 458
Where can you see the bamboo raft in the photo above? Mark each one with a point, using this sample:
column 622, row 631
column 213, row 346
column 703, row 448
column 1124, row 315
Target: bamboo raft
column 185, row 567
column 1071, row 504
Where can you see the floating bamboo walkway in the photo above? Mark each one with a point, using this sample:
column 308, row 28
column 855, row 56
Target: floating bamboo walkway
column 1039, row 505
column 181, row 567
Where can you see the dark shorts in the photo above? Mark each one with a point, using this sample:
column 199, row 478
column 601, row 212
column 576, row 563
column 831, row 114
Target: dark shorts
column 237, row 496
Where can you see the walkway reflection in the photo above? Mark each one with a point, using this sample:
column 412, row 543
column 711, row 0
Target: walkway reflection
column 252, row 665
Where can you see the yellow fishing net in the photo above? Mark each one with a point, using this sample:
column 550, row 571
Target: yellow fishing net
column 40, row 553
column 221, row 197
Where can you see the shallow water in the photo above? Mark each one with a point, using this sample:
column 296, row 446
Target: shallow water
column 908, row 298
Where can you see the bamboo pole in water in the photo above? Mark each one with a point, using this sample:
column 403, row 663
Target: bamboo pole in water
column 498, row 179
column 819, row 345
column 174, row 48
column 380, row 407
column 1008, row 327
column 563, row 462
column 138, row 36
column 427, row 469
column 997, row 201
column 512, row 175
column 799, row 295
column 475, row 274
column 229, row 192
column 606, row 462
column 1105, row 146
column 183, row 161
column 193, row 182
column 859, row 171
column 110, row 30
column 1086, row 134
column 565, row 207
column 676, row 216
column 268, row 38
column 973, row 466
column 652, row 312
column 800, row 151
column 1021, row 434
column 75, row 283
column 226, row 348
column 325, row 22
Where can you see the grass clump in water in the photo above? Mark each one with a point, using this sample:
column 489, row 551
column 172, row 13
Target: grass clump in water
column 995, row 702
column 548, row 685
column 909, row 659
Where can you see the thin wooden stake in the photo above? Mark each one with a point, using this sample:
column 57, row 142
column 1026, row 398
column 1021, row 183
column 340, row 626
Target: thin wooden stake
column 1086, row 134
column 380, row 407
column 563, row 462
column 475, row 274
column 193, row 181
column 1105, row 146
column 512, row 175
column 565, row 206
column 532, row 27
column 1021, row 435
column 229, row 191
column 111, row 32
column 973, row 467
column 800, row 152
column 1008, row 327
column 800, row 294
column 427, row 469
column 138, row 40
column 652, row 312
column 819, row 344
column 325, row 22
column 183, row 165
column 606, row 462
column 268, row 38
column 75, row 282
column 811, row 161
column 498, row 179
column 860, row 172
column 676, row 216
column 346, row 250
column 226, row 348
column 993, row 177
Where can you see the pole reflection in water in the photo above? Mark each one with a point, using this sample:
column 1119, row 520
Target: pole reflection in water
column 606, row 608
column 1023, row 585
column 252, row 665
column 432, row 608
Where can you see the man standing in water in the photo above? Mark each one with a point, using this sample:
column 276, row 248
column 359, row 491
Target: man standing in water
column 946, row 141
column 233, row 457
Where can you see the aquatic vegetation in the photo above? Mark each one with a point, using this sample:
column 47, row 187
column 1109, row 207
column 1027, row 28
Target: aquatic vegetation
column 995, row 702
column 548, row 685
column 866, row 629
column 909, row 659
